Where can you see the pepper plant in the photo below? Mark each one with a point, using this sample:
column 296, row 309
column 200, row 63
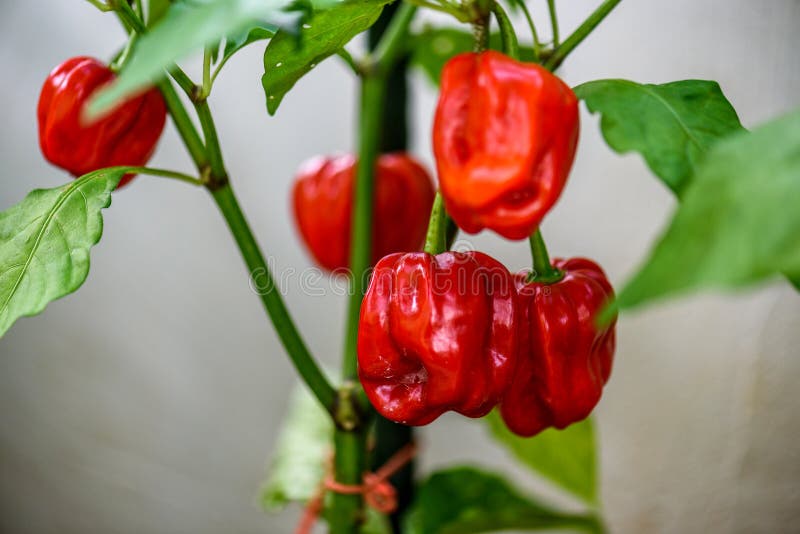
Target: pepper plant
column 538, row 346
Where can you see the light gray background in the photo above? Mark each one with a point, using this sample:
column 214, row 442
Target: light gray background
column 148, row 402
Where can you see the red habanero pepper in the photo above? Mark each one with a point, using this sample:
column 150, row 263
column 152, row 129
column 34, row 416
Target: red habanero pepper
column 504, row 138
column 565, row 359
column 127, row 135
column 323, row 197
column 437, row 333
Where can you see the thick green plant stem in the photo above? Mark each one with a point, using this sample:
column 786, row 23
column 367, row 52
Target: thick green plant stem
column 373, row 91
column 390, row 437
column 543, row 270
column 591, row 22
column 268, row 291
column 350, row 464
column 183, row 123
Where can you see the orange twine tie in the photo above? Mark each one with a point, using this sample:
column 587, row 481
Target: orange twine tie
column 377, row 490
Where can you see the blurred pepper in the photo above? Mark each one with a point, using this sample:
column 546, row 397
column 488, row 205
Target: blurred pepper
column 437, row 333
column 565, row 358
column 127, row 135
column 504, row 137
column 323, row 199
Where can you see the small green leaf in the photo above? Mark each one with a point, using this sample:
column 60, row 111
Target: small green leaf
column 298, row 464
column 465, row 500
column 433, row 47
column 236, row 43
column 185, row 28
column 670, row 125
column 737, row 222
column 324, row 34
column 566, row 457
column 45, row 242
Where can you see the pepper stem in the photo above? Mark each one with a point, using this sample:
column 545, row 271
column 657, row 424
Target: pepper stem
column 507, row 35
column 436, row 239
column 543, row 271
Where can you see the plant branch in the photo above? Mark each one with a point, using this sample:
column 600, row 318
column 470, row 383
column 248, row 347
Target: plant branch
column 165, row 173
column 102, row 6
column 561, row 52
column 551, row 7
column 213, row 150
column 347, row 57
column 268, row 291
column 537, row 45
column 208, row 157
column 206, row 87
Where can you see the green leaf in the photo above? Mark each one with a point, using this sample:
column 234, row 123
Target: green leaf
column 566, row 457
column 795, row 282
column 237, row 42
column 433, row 47
column 45, row 242
column 737, row 222
column 465, row 500
column 187, row 27
column 156, row 9
column 324, row 34
column 670, row 125
column 298, row 464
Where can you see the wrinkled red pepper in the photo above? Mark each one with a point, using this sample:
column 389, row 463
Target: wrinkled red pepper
column 323, row 199
column 565, row 358
column 504, row 137
column 127, row 135
column 437, row 333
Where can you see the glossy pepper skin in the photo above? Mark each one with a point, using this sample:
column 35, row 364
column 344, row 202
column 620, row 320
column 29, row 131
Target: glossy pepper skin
column 504, row 138
column 565, row 359
column 127, row 135
column 322, row 199
column 437, row 333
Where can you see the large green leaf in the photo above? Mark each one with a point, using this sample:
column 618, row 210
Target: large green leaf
column 738, row 221
column 566, row 457
column 433, row 47
column 45, row 242
column 298, row 463
column 670, row 125
column 185, row 28
column 288, row 58
column 156, row 9
column 465, row 500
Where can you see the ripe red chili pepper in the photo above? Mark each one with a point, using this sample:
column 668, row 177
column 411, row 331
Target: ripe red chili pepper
column 127, row 135
column 504, row 137
column 437, row 333
column 323, row 199
column 565, row 359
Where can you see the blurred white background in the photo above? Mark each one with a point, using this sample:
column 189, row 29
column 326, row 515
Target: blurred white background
column 148, row 402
